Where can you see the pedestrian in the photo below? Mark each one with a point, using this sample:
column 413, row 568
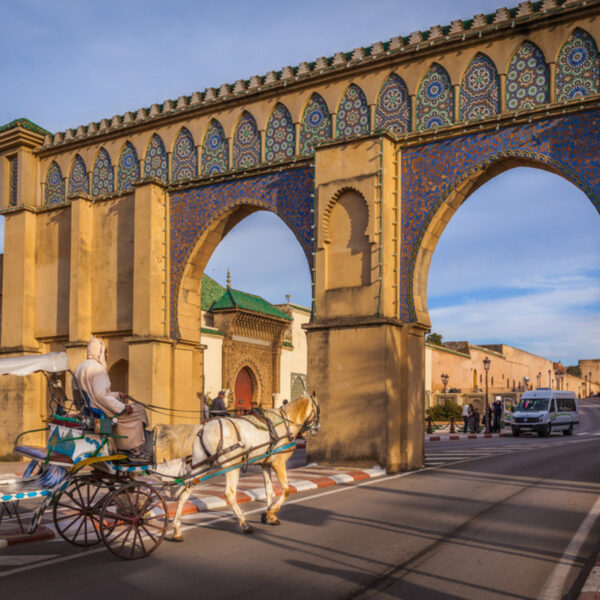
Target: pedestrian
column 477, row 418
column 218, row 408
column 471, row 419
column 497, row 416
column 488, row 419
column 465, row 416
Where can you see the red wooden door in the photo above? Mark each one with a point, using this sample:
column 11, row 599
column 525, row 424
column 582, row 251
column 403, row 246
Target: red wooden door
column 244, row 390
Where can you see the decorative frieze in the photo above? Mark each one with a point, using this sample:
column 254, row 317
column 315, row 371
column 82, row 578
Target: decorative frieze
column 457, row 26
column 479, row 21
column 502, row 15
column 435, row 33
column 376, row 48
column 303, row 68
column 525, row 9
column 154, row 110
column 358, row 53
column 416, row 37
column 396, row 43
column 287, row 72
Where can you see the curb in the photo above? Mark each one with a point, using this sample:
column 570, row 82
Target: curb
column 12, row 539
column 591, row 587
column 464, row 436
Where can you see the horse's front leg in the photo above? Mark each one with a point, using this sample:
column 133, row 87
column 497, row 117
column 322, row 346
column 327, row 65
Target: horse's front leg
column 281, row 472
column 266, row 471
column 183, row 498
column 232, row 479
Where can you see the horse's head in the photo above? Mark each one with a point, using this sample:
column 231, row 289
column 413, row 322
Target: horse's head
column 312, row 422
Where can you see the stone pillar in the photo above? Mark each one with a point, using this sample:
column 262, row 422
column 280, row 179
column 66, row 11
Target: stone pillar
column 552, row 82
column 502, row 92
column 371, row 391
column 456, row 103
column 296, row 139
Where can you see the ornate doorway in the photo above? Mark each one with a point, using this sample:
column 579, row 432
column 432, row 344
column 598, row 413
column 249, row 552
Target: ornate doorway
column 244, row 390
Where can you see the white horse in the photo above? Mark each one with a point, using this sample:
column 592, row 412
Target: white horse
column 227, row 441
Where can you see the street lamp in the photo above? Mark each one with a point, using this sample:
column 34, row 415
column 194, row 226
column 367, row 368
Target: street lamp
column 539, row 379
column 445, row 378
column 549, row 378
column 486, row 366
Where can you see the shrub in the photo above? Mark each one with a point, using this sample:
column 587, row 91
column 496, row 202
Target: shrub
column 443, row 412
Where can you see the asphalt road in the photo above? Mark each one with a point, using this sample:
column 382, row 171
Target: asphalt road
column 501, row 518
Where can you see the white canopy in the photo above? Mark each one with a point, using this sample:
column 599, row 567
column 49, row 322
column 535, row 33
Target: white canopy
column 53, row 362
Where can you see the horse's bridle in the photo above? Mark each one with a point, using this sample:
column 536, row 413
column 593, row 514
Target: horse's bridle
column 313, row 421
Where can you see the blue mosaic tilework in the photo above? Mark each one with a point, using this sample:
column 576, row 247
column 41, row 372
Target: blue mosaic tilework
column 435, row 101
column 55, row 185
column 103, row 177
column 246, row 143
column 14, row 180
column 280, row 135
column 287, row 193
column 184, row 160
column 569, row 145
column 392, row 111
column 156, row 163
column 78, row 179
column 577, row 67
column 479, row 90
column 527, row 79
column 215, row 150
column 353, row 116
column 316, row 124
column 128, row 168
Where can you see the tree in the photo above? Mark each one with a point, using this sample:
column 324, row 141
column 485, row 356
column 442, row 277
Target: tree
column 574, row 370
column 435, row 339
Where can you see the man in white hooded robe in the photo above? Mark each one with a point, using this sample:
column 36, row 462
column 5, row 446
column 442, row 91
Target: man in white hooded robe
column 92, row 377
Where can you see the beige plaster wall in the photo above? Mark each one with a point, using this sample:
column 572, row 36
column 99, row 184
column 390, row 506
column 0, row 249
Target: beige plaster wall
column 213, row 363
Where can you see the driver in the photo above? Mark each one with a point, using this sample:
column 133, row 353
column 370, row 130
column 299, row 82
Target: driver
column 92, row 376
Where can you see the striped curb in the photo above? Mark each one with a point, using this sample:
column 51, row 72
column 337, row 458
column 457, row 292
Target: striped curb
column 591, row 587
column 208, row 501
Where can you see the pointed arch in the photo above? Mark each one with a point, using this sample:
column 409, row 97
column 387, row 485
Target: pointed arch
column 55, row 185
column 353, row 117
column 246, row 143
column 280, row 135
column 527, row 78
column 215, row 150
column 479, row 90
column 184, row 159
column 435, row 100
column 392, row 111
column 78, row 177
column 316, row 124
column 156, row 163
column 103, row 177
column 128, row 171
column 577, row 67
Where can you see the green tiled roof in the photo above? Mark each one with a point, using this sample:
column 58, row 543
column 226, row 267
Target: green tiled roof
column 25, row 124
column 236, row 299
column 211, row 292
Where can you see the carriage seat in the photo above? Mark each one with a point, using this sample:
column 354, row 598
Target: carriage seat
column 84, row 400
column 39, row 453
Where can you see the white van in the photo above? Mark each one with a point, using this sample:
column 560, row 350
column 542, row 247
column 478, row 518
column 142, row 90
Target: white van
column 544, row 411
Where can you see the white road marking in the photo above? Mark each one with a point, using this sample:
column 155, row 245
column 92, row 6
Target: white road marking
column 20, row 559
column 553, row 590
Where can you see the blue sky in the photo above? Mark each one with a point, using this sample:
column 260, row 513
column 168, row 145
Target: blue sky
column 520, row 261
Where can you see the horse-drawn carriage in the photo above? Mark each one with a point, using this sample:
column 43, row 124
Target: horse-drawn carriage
column 97, row 496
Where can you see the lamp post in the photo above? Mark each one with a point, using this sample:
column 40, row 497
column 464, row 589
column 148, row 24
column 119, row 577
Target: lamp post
column 590, row 380
column 549, row 378
column 539, row 379
column 486, row 366
column 445, row 378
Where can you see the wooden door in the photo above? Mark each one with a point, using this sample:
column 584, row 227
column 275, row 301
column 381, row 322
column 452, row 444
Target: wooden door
column 244, row 390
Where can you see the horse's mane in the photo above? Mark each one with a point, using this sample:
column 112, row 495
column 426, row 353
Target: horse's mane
column 175, row 441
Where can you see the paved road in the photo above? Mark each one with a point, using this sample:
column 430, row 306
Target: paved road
column 493, row 522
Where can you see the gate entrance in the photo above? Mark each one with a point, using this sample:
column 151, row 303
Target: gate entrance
column 244, row 390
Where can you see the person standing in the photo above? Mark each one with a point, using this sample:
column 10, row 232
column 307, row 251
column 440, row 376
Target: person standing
column 465, row 416
column 218, row 408
column 471, row 419
column 497, row 416
column 477, row 420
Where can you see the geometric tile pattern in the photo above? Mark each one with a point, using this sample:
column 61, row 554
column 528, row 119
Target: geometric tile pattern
column 435, row 99
column 246, row 143
column 393, row 106
column 568, row 145
column 184, row 160
column 316, row 124
column 527, row 79
column 577, row 67
column 215, row 150
column 280, row 135
column 156, row 163
column 55, row 185
column 78, row 179
column 13, row 181
column 128, row 168
column 287, row 193
column 479, row 91
column 102, row 175
column 353, row 115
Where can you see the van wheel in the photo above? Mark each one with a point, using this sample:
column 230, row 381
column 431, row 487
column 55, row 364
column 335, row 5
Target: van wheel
column 546, row 432
column 516, row 431
column 568, row 431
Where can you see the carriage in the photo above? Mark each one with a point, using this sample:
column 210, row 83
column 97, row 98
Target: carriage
column 95, row 494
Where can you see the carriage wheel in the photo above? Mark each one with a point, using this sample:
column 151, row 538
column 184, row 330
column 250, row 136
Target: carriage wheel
column 134, row 520
column 76, row 511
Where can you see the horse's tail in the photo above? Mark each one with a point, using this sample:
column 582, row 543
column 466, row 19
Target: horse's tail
column 175, row 441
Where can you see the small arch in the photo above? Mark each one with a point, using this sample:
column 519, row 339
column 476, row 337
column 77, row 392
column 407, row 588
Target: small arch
column 435, row 99
column 246, row 143
column 316, row 124
column 156, row 163
column 79, row 181
column 128, row 168
column 527, row 78
column 280, row 135
column 479, row 90
column 392, row 111
column 215, row 150
column 244, row 389
column 327, row 212
column 54, row 192
column 184, row 158
column 298, row 386
column 577, row 67
column 103, row 181
column 353, row 115
column 119, row 376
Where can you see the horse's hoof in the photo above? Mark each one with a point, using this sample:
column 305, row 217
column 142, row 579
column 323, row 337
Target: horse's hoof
column 248, row 529
column 176, row 538
column 263, row 518
column 274, row 521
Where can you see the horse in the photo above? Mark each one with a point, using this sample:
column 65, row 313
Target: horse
column 224, row 442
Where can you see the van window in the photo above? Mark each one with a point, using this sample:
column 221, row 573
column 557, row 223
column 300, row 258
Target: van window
column 532, row 404
column 566, row 404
